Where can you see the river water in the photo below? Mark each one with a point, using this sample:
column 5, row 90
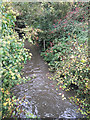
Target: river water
column 42, row 99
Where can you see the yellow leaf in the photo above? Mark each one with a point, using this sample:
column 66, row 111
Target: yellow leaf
column 13, row 77
column 7, row 99
column 5, row 103
column 9, row 103
column 83, row 61
column 18, row 76
column 1, row 89
column 0, row 27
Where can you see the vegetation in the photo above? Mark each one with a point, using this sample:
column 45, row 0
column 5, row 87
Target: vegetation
column 67, row 54
column 61, row 31
column 13, row 56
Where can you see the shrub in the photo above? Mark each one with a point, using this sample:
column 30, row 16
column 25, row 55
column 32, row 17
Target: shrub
column 13, row 55
column 57, row 40
column 75, row 71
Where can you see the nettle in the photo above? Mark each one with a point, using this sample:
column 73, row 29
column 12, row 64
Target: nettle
column 13, row 55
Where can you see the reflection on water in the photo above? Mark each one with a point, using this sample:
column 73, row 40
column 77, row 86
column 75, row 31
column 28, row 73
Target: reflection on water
column 41, row 98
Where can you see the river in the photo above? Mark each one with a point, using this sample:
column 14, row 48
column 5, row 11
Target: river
column 43, row 100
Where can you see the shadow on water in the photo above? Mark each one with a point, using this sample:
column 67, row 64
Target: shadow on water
column 42, row 99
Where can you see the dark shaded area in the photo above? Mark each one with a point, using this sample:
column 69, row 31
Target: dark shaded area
column 73, row 86
column 19, row 24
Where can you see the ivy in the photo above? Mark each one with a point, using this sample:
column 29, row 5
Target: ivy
column 13, row 55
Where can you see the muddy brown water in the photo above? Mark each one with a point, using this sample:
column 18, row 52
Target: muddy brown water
column 41, row 96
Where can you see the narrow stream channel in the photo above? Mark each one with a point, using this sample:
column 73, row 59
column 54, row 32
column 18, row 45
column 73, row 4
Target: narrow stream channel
column 42, row 99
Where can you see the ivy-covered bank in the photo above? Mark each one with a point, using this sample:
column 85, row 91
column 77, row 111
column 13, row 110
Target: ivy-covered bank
column 13, row 55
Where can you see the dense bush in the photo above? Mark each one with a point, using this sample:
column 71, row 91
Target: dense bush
column 13, row 55
column 41, row 14
column 75, row 71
